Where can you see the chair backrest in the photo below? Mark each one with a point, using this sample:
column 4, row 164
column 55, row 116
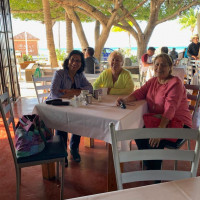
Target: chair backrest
column 120, row 156
column 193, row 94
column 42, row 87
column 98, row 68
column 193, row 65
column 8, row 118
column 183, row 61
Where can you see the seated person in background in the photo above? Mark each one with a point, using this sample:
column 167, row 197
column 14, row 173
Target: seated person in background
column 193, row 48
column 166, row 50
column 166, row 96
column 91, row 62
column 117, row 79
column 147, row 57
column 66, row 83
column 147, row 63
column 185, row 53
column 173, row 54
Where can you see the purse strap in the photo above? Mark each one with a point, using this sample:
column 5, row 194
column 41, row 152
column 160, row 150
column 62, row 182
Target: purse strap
column 28, row 121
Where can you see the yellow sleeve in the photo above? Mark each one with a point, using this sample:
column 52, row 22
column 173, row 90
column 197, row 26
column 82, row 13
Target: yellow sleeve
column 102, row 80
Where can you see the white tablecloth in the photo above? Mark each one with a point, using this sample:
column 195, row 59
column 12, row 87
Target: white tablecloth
column 179, row 71
column 93, row 120
column 187, row 189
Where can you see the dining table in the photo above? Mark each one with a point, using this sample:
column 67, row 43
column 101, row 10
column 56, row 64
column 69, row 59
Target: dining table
column 179, row 71
column 92, row 120
column 185, row 189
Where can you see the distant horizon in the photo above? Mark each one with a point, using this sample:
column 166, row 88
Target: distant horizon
column 44, row 51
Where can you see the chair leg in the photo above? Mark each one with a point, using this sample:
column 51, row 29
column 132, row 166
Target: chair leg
column 175, row 164
column 18, row 181
column 57, row 171
column 62, row 178
column 188, row 144
column 20, row 176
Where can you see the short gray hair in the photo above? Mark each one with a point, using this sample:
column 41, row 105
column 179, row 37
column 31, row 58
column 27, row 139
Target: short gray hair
column 116, row 53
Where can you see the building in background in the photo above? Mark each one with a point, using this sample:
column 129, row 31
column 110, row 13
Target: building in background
column 26, row 44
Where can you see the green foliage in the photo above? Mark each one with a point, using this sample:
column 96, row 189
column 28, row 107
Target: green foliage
column 127, row 53
column 27, row 57
column 61, row 54
column 34, row 9
column 189, row 19
column 118, row 29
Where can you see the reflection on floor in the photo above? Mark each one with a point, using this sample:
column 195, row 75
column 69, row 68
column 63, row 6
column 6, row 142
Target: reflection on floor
column 84, row 178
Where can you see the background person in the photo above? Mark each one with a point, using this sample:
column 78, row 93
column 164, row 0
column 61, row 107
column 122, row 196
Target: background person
column 193, row 48
column 66, row 83
column 147, row 64
column 91, row 63
column 174, row 54
column 147, row 57
column 166, row 96
column 117, row 79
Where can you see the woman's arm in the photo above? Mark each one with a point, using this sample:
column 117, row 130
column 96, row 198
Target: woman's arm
column 69, row 93
column 99, row 82
column 154, row 142
column 126, row 100
column 56, row 86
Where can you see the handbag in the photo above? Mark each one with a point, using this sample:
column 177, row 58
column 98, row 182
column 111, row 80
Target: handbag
column 31, row 136
column 152, row 120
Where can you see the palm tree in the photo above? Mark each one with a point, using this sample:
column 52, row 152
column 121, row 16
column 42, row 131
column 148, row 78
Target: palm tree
column 189, row 19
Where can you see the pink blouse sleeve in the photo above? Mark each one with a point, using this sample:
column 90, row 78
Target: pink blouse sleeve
column 141, row 93
column 173, row 99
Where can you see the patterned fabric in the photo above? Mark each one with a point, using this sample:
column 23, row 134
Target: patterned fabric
column 30, row 136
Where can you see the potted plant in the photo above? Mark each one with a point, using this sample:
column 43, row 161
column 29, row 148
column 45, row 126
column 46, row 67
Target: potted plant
column 27, row 60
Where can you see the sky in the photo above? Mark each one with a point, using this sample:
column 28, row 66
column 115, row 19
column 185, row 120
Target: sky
column 166, row 34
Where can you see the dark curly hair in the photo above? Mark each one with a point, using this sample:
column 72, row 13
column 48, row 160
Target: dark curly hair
column 76, row 52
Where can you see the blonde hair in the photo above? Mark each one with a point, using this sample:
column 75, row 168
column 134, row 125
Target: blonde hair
column 116, row 53
column 167, row 58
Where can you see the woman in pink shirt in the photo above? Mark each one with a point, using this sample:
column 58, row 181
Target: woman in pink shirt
column 165, row 95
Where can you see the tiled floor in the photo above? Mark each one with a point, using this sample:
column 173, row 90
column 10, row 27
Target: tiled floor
column 84, row 178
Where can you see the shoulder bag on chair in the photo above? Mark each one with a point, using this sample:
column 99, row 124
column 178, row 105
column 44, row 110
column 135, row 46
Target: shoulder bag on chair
column 30, row 136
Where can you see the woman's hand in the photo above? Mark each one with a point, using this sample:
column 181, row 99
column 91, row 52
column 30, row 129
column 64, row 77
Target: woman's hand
column 154, row 142
column 69, row 93
column 126, row 100
column 119, row 100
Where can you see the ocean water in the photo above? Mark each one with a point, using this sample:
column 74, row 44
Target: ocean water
column 44, row 52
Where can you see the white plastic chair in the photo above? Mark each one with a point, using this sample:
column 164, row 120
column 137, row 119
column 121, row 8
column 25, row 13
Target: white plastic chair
column 54, row 150
column 193, row 65
column 42, row 87
column 153, row 154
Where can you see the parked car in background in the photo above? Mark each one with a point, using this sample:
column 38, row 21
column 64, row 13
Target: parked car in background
column 105, row 53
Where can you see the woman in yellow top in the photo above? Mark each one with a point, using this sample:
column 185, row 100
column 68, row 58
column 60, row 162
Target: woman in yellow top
column 117, row 79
